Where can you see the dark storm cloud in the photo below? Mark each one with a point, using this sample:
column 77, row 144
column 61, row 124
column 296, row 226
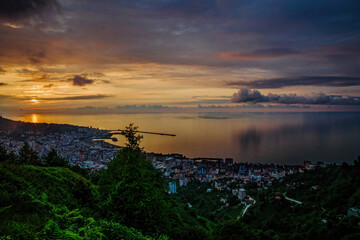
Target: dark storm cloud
column 19, row 10
column 247, row 95
column 79, row 80
column 329, row 81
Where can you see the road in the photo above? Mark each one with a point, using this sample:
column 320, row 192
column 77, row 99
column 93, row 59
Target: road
column 247, row 207
column 291, row 199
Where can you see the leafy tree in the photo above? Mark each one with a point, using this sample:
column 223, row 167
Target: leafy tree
column 4, row 156
column 54, row 160
column 135, row 191
column 81, row 171
column 234, row 230
column 28, row 156
column 133, row 140
column 12, row 157
column 233, row 200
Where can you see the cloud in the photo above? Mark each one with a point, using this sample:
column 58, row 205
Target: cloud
column 259, row 54
column 69, row 98
column 145, row 106
column 24, row 71
column 247, row 95
column 82, row 97
column 187, row 32
column 38, row 77
column 329, row 81
column 37, row 11
column 2, row 71
column 178, row 43
column 48, row 86
column 37, row 56
column 248, row 106
column 3, row 84
column 79, row 80
column 8, row 97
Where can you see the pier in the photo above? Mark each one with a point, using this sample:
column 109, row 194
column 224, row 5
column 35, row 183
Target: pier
column 156, row 133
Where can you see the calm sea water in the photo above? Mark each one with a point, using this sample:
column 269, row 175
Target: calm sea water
column 247, row 137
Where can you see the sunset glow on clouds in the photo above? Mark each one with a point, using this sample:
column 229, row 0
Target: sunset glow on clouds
column 67, row 53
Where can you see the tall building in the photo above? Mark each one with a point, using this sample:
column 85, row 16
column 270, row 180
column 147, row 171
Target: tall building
column 172, row 186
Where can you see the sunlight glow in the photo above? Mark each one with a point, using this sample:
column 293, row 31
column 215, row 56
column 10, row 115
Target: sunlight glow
column 12, row 25
column 34, row 118
column 34, row 101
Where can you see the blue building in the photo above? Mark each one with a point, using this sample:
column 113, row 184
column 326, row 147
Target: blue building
column 201, row 170
column 172, row 186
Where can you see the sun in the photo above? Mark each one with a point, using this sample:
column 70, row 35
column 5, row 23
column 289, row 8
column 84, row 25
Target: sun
column 34, row 101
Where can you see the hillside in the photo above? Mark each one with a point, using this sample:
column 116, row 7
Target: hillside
column 312, row 205
column 53, row 203
column 45, row 199
column 19, row 126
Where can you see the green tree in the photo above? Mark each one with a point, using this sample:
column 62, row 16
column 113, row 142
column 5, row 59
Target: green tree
column 28, row 156
column 54, row 160
column 4, row 156
column 133, row 140
column 234, row 230
column 12, row 157
column 135, row 191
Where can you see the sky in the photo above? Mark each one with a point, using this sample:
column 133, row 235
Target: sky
column 177, row 54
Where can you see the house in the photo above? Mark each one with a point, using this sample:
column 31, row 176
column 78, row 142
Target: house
column 223, row 200
column 307, row 164
column 242, row 193
column 172, row 186
column 354, row 212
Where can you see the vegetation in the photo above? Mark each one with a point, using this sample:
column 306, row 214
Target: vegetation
column 325, row 193
column 48, row 199
column 205, row 201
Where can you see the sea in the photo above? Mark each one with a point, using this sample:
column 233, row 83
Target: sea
column 283, row 138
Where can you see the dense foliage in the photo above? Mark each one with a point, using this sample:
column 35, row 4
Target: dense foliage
column 325, row 193
column 204, row 200
column 52, row 203
column 47, row 199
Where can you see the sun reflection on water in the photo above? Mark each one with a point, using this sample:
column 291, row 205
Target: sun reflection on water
column 34, row 118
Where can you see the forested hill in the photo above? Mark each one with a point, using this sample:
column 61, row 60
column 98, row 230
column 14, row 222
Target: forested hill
column 312, row 205
column 19, row 126
column 53, row 203
column 129, row 200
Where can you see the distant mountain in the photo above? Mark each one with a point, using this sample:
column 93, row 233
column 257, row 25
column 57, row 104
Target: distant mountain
column 19, row 126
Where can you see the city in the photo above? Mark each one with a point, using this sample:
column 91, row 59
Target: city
column 86, row 147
